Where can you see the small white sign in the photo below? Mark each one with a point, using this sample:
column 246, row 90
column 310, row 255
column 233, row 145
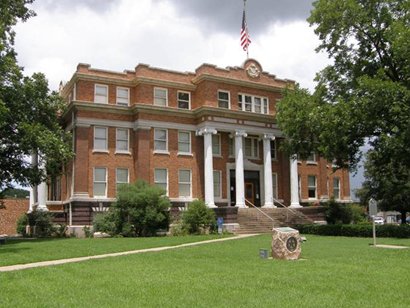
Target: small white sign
column 372, row 207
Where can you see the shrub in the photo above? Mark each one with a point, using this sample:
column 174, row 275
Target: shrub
column 60, row 230
column 22, row 222
column 358, row 213
column 198, row 219
column 140, row 210
column 104, row 222
column 359, row 230
column 337, row 213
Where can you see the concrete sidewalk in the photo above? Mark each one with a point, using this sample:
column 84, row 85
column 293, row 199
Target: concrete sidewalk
column 18, row 267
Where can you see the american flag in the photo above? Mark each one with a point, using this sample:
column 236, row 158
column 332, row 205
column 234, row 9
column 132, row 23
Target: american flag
column 245, row 38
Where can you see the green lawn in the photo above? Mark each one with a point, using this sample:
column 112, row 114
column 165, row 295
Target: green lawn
column 33, row 250
column 334, row 272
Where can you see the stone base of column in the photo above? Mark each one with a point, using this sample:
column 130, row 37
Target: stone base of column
column 241, row 205
column 211, row 205
column 295, row 205
column 269, row 205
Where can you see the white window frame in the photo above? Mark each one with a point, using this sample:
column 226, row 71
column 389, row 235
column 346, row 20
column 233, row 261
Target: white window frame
column 105, row 182
column 218, row 192
column 219, row 153
column 100, row 101
column 158, row 182
column 127, row 151
column 121, row 98
column 189, row 99
column 166, row 141
column 105, row 150
column 242, row 104
column 252, row 156
column 338, row 187
column 189, row 143
column 223, row 100
column 185, row 183
column 310, row 187
column 116, row 177
column 273, row 154
column 312, row 159
column 166, row 97
column 275, row 185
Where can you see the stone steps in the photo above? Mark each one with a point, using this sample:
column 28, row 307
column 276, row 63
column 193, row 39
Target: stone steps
column 251, row 220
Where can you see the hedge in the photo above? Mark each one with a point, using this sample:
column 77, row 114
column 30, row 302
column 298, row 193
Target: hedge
column 359, row 230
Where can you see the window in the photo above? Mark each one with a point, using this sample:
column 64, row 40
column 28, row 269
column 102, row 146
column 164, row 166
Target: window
column 121, row 176
column 100, row 139
column 123, row 96
column 160, row 140
column 184, row 142
column 231, row 144
column 311, row 158
column 252, row 103
column 251, row 148
column 160, row 97
column 217, row 184
column 336, row 188
column 223, row 99
column 100, row 182
column 273, row 149
column 300, row 187
column 312, row 187
column 184, row 100
column 161, row 178
column 216, row 144
column 275, row 186
column 122, row 140
column 101, row 94
column 184, row 183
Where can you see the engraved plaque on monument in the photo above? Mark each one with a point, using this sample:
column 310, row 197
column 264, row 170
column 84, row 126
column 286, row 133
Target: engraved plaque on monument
column 285, row 243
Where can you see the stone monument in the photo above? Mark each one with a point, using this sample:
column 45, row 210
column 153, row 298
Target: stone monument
column 286, row 243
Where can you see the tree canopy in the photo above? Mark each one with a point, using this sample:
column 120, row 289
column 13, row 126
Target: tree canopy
column 364, row 95
column 28, row 111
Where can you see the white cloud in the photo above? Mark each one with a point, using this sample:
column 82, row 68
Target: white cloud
column 155, row 33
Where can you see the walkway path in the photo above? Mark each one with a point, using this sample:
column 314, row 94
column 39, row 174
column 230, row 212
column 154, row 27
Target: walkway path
column 18, row 267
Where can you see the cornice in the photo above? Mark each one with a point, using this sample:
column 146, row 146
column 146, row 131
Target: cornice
column 237, row 82
column 164, row 83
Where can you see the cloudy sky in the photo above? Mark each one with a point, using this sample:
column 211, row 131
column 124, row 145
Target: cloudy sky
column 172, row 34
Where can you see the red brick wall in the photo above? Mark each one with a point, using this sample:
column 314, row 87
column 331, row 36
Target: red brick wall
column 13, row 209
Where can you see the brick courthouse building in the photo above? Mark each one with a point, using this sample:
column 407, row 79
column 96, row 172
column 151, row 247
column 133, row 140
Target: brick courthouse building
column 210, row 134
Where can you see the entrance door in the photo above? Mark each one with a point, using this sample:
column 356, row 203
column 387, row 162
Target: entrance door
column 249, row 192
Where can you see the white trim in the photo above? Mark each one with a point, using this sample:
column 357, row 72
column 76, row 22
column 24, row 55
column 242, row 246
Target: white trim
column 189, row 100
column 95, row 93
column 339, row 188
column 116, row 177
column 276, row 191
column 86, row 122
column 127, row 151
column 190, row 143
column 167, row 179
column 128, row 96
column 262, row 99
column 106, row 150
column 219, row 154
column 166, row 141
column 229, row 98
column 190, row 183
column 106, row 182
column 166, row 96
column 164, row 125
column 220, row 184
column 316, row 194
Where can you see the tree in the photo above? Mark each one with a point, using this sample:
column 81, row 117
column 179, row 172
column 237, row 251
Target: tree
column 198, row 219
column 388, row 182
column 364, row 95
column 140, row 210
column 29, row 114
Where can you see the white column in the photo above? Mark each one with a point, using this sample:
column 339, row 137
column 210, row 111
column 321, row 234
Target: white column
column 294, row 182
column 267, row 168
column 239, row 172
column 208, row 165
column 42, row 192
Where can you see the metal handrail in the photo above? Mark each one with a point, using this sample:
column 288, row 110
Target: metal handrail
column 286, row 207
column 246, row 200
